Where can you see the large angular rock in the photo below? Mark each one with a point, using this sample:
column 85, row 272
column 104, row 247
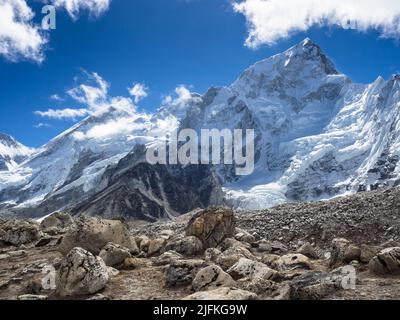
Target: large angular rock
column 308, row 250
column 246, row 268
column 231, row 256
column 81, row 273
column 222, row 294
column 343, row 252
column 386, row 262
column 212, row 226
column 155, row 246
column 188, row 246
column 182, row 272
column 114, row 255
column 93, row 234
column 58, row 221
column 368, row 252
column 317, row 285
column 18, row 232
column 212, row 277
column 166, row 258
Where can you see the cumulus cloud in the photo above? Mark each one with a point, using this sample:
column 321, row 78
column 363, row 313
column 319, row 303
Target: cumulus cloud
column 22, row 39
column 138, row 91
column 183, row 96
column 63, row 114
column 93, row 93
column 95, row 8
column 271, row 20
column 19, row 37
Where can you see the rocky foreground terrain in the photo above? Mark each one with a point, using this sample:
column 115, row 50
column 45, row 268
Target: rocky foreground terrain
column 346, row 248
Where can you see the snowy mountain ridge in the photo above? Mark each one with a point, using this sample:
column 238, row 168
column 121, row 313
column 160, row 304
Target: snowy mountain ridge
column 318, row 136
column 12, row 153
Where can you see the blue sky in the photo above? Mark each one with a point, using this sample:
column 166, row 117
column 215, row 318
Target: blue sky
column 163, row 44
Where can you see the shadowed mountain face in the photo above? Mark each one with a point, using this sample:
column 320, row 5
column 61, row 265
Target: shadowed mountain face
column 317, row 135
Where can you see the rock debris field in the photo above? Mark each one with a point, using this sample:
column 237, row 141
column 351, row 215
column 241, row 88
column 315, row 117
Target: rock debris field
column 346, row 248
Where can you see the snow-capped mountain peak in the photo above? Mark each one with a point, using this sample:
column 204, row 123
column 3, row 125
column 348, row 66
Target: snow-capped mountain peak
column 12, row 152
column 318, row 135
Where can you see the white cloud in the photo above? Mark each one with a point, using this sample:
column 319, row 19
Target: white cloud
column 42, row 125
column 183, row 97
column 22, row 39
column 138, row 91
column 63, row 114
column 271, row 20
column 56, row 97
column 19, row 37
column 94, row 93
column 74, row 7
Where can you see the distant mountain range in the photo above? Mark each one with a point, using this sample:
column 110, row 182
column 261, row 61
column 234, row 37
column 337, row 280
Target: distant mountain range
column 318, row 136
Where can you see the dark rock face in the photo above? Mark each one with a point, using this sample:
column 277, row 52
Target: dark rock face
column 212, row 226
column 136, row 189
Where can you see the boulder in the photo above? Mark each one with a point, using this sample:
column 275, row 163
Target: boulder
column 231, row 256
column 81, row 273
column 182, row 272
column 259, row 285
column 188, row 246
column 167, row 258
column 19, row 232
column 212, row 254
column 274, row 247
column 155, row 246
column 212, row 277
column 93, row 234
column 114, row 255
column 386, row 262
column 231, row 243
column 222, row 294
column 343, row 252
column 368, row 252
column 269, row 259
column 244, row 236
column 144, row 243
column 246, row 268
column 212, row 226
column 58, row 220
column 317, row 285
column 292, row 261
column 308, row 250
column 166, row 234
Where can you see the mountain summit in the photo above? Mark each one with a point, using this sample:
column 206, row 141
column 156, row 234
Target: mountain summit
column 318, row 135
column 12, row 152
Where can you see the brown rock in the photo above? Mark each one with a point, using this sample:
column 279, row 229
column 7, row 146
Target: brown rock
column 212, row 226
